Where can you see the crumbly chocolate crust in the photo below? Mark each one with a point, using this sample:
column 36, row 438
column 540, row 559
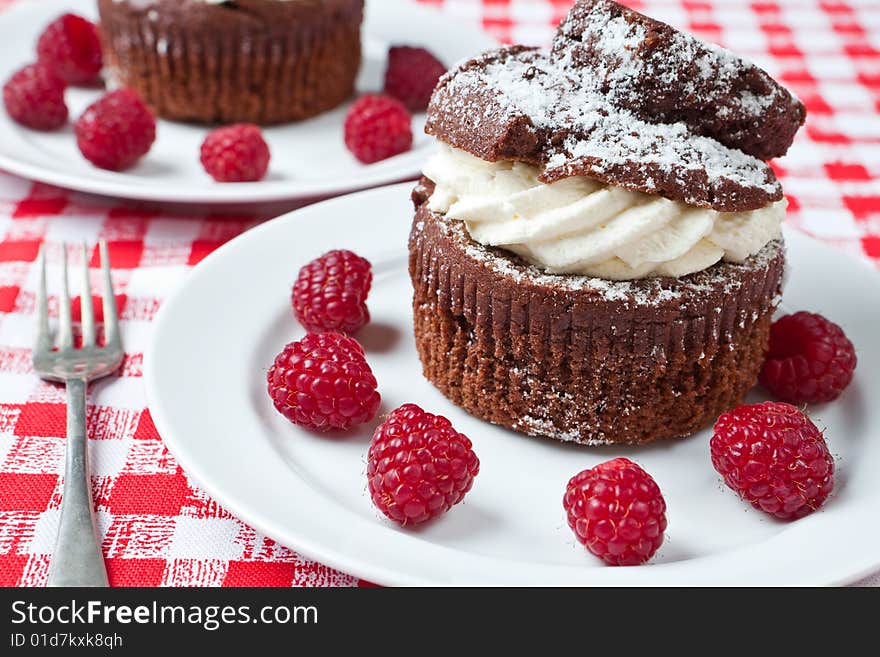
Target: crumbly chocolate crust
column 518, row 104
column 664, row 75
column 634, row 104
column 583, row 359
column 253, row 61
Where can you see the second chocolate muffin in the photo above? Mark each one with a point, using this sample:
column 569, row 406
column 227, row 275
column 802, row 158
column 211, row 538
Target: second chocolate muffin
column 584, row 359
column 254, row 61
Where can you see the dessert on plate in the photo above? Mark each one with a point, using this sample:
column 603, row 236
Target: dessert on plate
column 596, row 252
column 241, row 61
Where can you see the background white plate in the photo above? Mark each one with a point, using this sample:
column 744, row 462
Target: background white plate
column 309, row 159
column 205, row 377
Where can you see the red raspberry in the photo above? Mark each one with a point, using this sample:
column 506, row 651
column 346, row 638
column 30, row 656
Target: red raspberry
column 330, row 293
column 70, row 46
column 774, row 457
column 116, row 131
column 323, row 382
column 34, row 97
column 617, row 511
column 236, row 153
column 418, row 466
column 810, row 359
column 377, row 127
column 411, row 76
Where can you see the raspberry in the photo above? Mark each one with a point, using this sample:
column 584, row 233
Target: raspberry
column 323, row 382
column 810, row 359
column 377, row 127
column 70, row 46
column 418, row 466
column 34, row 97
column 330, row 293
column 774, row 457
column 116, row 131
column 236, row 153
column 411, row 76
column 617, row 511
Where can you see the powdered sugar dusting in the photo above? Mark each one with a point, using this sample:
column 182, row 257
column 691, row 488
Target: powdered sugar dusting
column 555, row 98
column 610, row 290
column 535, row 426
column 615, row 36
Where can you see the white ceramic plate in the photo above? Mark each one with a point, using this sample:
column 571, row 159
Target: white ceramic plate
column 205, row 375
column 309, row 159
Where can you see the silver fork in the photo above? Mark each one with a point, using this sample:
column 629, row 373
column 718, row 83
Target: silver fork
column 77, row 560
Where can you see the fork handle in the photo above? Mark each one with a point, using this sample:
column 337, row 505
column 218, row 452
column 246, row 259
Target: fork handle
column 77, row 560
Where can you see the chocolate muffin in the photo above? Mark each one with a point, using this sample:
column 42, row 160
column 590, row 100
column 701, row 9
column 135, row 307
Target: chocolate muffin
column 580, row 358
column 587, row 267
column 235, row 61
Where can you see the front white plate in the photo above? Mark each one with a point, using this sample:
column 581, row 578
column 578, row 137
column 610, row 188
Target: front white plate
column 309, row 159
column 205, row 376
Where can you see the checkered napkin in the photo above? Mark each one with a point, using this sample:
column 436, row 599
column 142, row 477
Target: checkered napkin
column 157, row 527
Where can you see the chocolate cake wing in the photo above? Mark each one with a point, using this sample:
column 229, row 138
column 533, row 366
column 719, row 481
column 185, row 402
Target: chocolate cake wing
column 661, row 74
column 478, row 117
column 521, row 104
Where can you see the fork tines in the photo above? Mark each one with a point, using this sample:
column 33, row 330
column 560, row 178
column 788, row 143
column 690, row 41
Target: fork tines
column 65, row 323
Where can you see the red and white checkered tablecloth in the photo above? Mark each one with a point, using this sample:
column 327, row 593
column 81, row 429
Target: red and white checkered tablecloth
column 157, row 527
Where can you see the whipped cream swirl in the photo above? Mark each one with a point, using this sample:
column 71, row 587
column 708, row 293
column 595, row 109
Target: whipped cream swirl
column 582, row 226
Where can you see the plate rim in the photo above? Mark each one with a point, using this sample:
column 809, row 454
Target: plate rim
column 271, row 191
column 837, row 573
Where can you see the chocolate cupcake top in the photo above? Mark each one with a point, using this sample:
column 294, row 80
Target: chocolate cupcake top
column 520, row 104
column 575, row 111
